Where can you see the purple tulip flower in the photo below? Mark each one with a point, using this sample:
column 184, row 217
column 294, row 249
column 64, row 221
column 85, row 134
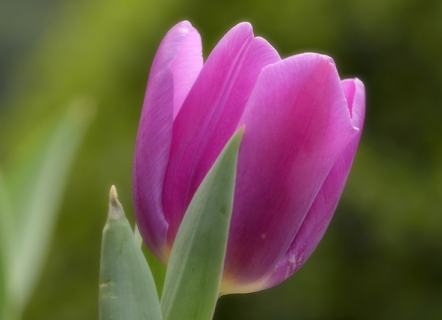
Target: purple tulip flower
column 302, row 129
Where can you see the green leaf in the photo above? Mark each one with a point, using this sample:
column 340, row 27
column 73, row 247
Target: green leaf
column 137, row 236
column 196, row 262
column 5, row 218
column 36, row 183
column 127, row 288
column 6, row 233
column 157, row 267
column 6, row 226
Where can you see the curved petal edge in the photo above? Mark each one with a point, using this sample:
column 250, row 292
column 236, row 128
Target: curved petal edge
column 179, row 54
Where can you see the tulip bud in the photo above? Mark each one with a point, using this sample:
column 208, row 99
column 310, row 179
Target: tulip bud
column 303, row 126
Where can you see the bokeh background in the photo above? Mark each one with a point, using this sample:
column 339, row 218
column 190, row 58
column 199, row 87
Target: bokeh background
column 381, row 258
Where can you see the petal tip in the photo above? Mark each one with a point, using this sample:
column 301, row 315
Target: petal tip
column 244, row 27
column 185, row 27
column 184, row 23
column 329, row 59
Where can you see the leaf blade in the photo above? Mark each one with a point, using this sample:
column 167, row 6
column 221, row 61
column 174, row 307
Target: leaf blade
column 36, row 195
column 195, row 267
column 6, row 234
column 127, row 289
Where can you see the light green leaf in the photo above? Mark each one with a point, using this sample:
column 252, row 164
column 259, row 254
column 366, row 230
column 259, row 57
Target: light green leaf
column 36, row 183
column 6, row 226
column 6, row 233
column 158, row 269
column 196, row 262
column 127, row 288
column 137, row 236
column 5, row 219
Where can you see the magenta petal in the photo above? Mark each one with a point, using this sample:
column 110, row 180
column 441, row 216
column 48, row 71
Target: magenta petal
column 179, row 55
column 186, row 67
column 297, row 124
column 210, row 114
column 322, row 209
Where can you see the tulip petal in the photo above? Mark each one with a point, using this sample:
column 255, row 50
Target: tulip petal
column 322, row 209
column 210, row 115
column 297, row 124
column 174, row 69
column 186, row 67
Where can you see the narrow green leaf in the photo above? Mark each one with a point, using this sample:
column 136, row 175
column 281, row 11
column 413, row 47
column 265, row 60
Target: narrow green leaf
column 6, row 226
column 6, row 233
column 127, row 288
column 157, row 267
column 137, row 236
column 196, row 262
column 36, row 183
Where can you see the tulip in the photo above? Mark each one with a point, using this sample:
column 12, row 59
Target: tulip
column 302, row 128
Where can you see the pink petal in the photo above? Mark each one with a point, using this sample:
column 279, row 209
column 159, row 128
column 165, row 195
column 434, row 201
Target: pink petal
column 297, row 124
column 186, row 67
column 210, row 115
column 322, row 209
column 178, row 56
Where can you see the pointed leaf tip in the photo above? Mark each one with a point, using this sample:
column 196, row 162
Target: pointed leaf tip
column 126, row 286
column 115, row 208
column 113, row 195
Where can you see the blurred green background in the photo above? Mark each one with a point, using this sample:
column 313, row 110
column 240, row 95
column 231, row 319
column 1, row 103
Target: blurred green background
column 382, row 255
